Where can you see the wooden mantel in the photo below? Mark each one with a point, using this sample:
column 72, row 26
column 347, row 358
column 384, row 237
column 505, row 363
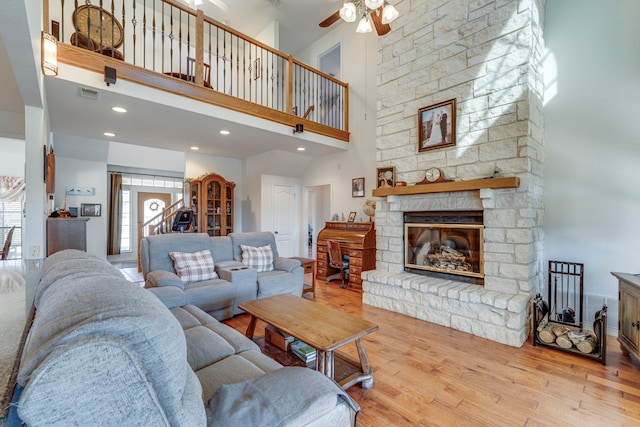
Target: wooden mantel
column 449, row 186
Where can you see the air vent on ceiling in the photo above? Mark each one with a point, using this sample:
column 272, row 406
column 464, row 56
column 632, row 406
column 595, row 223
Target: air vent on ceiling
column 84, row 92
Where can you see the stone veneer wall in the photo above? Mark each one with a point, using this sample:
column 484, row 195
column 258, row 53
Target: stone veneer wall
column 487, row 55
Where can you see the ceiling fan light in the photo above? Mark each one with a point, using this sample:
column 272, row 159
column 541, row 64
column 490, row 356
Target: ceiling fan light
column 373, row 4
column 389, row 13
column 364, row 26
column 348, row 12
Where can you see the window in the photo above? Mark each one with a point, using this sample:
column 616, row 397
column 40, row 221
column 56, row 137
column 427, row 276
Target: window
column 131, row 185
column 10, row 216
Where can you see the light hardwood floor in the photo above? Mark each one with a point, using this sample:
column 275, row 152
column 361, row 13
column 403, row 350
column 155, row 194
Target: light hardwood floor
column 429, row 375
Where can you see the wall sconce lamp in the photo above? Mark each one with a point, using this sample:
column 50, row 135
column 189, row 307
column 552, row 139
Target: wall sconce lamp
column 299, row 128
column 49, row 55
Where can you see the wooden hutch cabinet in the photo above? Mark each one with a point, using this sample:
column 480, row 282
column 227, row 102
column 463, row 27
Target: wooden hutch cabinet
column 211, row 198
column 357, row 240
column 629, row 313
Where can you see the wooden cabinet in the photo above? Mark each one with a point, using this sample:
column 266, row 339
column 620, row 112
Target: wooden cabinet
column 629, row 313
column 66, row 233
column 357, row 239
column 212, row 201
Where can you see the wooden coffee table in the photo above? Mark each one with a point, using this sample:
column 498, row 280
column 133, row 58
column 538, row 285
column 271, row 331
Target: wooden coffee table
column 323, row 328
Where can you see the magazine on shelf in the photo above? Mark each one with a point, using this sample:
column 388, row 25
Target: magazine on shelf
column 303, row 351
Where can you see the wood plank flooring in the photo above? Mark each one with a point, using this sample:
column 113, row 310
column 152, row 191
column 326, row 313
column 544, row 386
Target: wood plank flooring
column 429, row 375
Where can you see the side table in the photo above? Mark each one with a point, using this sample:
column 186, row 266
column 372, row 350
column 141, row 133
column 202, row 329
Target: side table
column 309, row 266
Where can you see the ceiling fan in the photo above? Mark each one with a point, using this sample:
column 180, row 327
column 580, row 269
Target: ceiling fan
column 379, row 11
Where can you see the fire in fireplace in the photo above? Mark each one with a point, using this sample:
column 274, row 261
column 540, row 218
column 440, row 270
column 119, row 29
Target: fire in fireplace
column 444, row 242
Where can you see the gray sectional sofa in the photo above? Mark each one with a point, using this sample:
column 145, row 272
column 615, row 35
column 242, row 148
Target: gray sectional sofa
column 104, row 351
column 235, row 283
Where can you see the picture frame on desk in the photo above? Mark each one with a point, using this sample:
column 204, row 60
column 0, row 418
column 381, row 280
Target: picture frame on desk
column 352, row 217
column 91, row 209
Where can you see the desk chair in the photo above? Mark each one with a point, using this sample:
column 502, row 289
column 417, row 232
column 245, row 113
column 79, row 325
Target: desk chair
column 337, row 260
column 7, row 244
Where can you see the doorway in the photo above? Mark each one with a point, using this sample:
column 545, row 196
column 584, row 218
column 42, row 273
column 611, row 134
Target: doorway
column 284, row 223
column 318, row 213
column 149, row 206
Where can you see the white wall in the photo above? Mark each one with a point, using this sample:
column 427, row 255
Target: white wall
column 358, row 69
column 12, row 158
column 84, row 173
column 592, row 166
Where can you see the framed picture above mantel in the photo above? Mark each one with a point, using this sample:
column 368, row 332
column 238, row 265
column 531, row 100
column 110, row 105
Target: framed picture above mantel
column 437, row 126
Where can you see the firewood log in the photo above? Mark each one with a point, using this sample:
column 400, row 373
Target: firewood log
column 588, row 344
column 547, row 335
column 559, row 330
column 576, row 337
column 564, row 341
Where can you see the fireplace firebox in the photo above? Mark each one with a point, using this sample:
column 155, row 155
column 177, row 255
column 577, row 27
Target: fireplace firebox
column 448, row 242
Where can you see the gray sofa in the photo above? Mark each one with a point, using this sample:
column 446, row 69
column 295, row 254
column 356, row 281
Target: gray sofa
column 103, row 351
column 235, row 283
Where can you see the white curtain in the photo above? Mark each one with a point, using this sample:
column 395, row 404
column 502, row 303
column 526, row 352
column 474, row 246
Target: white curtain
column 11, row 188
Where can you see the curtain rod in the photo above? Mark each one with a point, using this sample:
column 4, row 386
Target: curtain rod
column 145, row 174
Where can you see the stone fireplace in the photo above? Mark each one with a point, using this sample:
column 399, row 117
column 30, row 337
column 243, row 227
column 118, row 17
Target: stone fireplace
column 487, row 55
column 496, row 309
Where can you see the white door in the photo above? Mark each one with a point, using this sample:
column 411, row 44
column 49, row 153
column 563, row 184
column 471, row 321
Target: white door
column 285, row 222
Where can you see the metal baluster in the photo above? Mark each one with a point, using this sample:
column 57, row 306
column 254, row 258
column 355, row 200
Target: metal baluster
column 134, row 24
column 153, row 37
column 171, row 40
column 162, row 38
column 144, row 34
column 62, row 21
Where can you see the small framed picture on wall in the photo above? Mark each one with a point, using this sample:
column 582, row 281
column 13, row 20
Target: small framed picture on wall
column 90, row 209
column 357, row 187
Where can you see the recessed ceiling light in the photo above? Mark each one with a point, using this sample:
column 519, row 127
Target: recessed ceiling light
column 301, row 148
column 109, row 134
column 224, row 132
column 119, row 109
column 194, row 148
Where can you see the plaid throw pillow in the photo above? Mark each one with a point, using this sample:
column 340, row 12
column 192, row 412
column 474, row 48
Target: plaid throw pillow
column 260, row 258
column 194, row 267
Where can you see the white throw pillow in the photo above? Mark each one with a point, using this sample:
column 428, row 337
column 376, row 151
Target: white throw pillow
column 260, row 258
column 195, row 266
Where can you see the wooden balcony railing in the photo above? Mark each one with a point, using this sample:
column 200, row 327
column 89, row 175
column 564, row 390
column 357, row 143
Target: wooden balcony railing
column 166, row 45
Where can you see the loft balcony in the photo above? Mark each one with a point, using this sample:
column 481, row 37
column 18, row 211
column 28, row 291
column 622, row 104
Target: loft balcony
column 165, row 45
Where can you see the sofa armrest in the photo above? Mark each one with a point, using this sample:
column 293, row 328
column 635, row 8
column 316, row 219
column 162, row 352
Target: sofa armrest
column 160, row 278
column 226, row 264
column 245, row 284
column 285, row 264
column 170, row 296
column 295, row 394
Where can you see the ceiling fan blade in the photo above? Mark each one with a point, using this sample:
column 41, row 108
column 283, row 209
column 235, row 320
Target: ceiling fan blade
column 330, row 20
column 376, row 17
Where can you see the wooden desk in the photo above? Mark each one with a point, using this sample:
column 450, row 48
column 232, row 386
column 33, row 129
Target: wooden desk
column 358, row 240
column 309, row 266
column 323, row 328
